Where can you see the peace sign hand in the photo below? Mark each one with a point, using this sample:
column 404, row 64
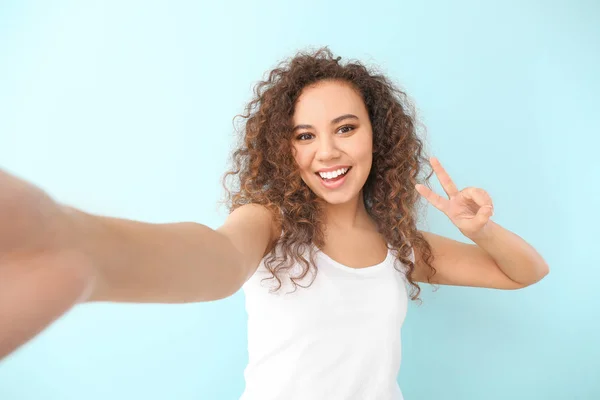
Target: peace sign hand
column 469, row 209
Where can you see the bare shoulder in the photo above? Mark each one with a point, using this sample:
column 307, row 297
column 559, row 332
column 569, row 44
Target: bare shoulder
column 252, row 229
column 461, row 264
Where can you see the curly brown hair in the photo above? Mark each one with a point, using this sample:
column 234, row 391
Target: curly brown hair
column 265, row 172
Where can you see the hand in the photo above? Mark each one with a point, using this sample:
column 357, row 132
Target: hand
column 42, row 274
column 469, row 209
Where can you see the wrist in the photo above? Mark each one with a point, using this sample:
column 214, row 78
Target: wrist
column 77, row 232
column 485, row 234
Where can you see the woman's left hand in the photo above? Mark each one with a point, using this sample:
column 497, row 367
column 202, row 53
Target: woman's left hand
column 469, row 209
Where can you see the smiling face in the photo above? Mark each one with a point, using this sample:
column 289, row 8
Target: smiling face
column 333, row 141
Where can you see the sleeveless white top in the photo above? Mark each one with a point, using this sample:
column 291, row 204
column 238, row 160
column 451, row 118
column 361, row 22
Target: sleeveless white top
column 337, row 339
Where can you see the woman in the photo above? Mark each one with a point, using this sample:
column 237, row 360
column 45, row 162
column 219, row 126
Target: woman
column 322, row 236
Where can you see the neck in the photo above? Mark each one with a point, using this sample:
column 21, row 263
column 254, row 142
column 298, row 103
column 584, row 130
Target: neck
column 352, row 214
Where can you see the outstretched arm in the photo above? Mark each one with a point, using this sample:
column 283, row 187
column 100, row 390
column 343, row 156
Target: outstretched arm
column 172, row 263
column 53, row 257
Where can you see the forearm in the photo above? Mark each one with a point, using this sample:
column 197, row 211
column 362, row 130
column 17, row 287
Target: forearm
column 514, row 256
column 166, row 263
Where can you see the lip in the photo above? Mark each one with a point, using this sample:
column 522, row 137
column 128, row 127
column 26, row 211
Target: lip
column 333, row 185
column 334, row 168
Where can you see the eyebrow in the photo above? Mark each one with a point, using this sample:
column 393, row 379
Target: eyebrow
column 333, row 121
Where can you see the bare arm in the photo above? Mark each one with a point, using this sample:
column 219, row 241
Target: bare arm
column 176, row 262
column 501, row 260
column 53, row 257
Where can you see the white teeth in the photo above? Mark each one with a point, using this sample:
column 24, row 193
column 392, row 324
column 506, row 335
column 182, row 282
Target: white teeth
column 333, row 174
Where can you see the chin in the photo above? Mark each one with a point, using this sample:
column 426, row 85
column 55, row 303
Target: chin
column 337, row 198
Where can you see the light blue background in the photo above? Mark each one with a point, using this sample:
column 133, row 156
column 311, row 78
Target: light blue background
column 125, row 108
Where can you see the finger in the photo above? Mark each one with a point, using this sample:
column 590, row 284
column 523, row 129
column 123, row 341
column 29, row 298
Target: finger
column 484, row 214
column 480, row 197
column 436, row 200
column 445, row 180
column 33, row 293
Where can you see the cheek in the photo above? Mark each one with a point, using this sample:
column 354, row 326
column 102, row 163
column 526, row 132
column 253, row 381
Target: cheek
column 366, row 162
column 303, row 159
column 364, row 151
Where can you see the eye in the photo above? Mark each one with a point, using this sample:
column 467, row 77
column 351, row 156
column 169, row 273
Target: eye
column 346, row 128
column 304, row 136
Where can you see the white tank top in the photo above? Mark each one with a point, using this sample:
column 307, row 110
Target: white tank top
column 337, row 339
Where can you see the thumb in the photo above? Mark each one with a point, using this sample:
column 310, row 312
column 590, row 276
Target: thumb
column 484, row 213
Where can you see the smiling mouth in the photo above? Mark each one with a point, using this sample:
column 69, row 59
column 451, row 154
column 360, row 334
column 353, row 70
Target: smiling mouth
column 333, row 179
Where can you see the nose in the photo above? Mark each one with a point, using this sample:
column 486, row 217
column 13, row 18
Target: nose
column 327, row 149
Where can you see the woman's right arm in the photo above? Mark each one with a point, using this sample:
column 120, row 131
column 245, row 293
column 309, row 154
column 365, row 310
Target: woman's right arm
column 53, row 257
column 175, row 262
